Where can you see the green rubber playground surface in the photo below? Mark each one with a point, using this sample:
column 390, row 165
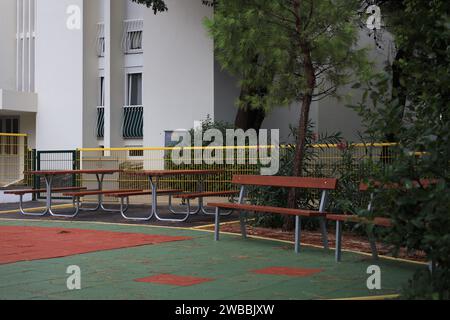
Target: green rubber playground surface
column 195, row 268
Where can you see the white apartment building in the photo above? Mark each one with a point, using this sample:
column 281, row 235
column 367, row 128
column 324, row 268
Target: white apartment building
column 90, row 73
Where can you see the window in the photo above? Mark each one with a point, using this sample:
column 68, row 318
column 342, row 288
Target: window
column 101, row 92
column 100, row 40
column 134, row 41
column 9, row 145
column 132, row 37
column 25, row 45
column 136, row 152
column 9, row 125
column 134, row 89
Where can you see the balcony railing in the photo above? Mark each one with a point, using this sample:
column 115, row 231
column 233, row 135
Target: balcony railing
column 100, row 129
column 133, row 122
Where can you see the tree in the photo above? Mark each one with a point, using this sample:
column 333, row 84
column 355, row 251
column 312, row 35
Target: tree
column 299, row 51
column 420, row 214
column 155, row 5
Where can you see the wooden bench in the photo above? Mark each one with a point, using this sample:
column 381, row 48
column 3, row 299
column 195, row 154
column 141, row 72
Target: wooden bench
column 187, row 196
column 323, row 184
column 23, row 192
column 34, row 191
column 377, row 221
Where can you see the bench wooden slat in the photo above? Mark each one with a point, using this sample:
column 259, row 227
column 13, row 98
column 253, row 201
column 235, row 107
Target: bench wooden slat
column 144, row 192
column 286, row 182
column 54, row 190
column 194, row 195
column 384, row 222
column 96, row 192
column 267, row 209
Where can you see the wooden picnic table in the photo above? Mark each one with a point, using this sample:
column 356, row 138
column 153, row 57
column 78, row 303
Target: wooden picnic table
column 50, row 174
column 155, row 175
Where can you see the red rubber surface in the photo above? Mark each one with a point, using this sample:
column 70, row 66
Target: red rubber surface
column 37, row 243
column 285, row 271
column 174, row 280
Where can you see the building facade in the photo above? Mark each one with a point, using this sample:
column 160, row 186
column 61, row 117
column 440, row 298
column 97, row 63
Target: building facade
column 110, row 73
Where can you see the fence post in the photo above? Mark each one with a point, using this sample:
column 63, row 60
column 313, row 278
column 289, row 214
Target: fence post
column 34, row 162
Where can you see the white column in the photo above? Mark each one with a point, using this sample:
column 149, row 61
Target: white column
column 114, row 79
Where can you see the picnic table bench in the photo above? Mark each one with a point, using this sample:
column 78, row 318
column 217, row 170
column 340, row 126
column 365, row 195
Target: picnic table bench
column 123, row 194
column 323, row 184
column 153, row 178
column 49, row 175
column 23, row 192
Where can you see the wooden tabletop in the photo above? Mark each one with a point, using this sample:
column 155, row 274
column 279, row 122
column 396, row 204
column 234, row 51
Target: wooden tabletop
column 62, row 172
column 164, row 173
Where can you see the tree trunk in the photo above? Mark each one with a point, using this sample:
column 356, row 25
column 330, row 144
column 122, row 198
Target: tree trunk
column 304, row 116
column 398, row 93
column 249, row 118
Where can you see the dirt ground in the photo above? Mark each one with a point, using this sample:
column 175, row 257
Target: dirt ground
column 349, row 240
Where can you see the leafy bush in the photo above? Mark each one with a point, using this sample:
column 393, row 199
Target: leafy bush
column 418, row 115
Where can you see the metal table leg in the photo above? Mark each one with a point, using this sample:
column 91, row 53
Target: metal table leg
column 154, row 186
column 48, row 183
column 124, row 207
column 100, row 183
column 100, row 198
column 35, row 214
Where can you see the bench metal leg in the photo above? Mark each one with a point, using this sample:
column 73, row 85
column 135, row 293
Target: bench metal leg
column 35, row 214
column 154, row 185
column 200, row 209
column 124, row 208
column 323, row 226
column 90, row 209
column 76, row 203
column 217, row 225
column 243, row 220
column 298, row 230
column 373, row 245
column 172, row 210
column 338, row 250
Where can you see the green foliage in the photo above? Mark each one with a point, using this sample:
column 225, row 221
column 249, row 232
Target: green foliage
column 155, row 5
column 420, row 214
column 258, row 41
column 219, row 182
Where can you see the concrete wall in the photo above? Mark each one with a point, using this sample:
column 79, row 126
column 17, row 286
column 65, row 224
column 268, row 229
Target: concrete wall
column 92, row 9
column 334, row 115
column 178, row 81
column 59, row 77
column 8, row 44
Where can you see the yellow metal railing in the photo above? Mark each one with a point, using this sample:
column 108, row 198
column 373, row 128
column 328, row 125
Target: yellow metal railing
column 326, row 160
column 14, row 158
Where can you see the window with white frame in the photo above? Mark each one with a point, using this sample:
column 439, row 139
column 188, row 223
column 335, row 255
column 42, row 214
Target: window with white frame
column 25, row 45
column 101, row 92
column 100, row 40
column 134, row 89
column 132, row 37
